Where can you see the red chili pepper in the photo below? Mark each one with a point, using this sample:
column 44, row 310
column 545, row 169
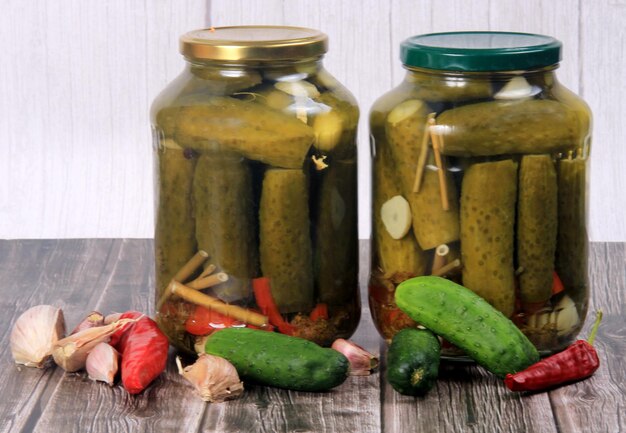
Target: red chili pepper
column 319, row 312
column 577, row 362
column 143, row 348
column 265, row 301
column 203, row 321
column 557, row 284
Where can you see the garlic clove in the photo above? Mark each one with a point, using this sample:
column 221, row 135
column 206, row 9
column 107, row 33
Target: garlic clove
column 113, row 317
column 361, row 361
column 567, row 316
column 102, row 363
column 396, row 216
column 93, row 319
column 71, row 352
column 298, row 88
column 516, row 88
column 34, row 333
column 214, row 378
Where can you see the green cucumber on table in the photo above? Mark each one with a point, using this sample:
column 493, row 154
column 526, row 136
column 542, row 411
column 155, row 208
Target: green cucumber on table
column 413, row 361
column 467, row 321
column 269, row 358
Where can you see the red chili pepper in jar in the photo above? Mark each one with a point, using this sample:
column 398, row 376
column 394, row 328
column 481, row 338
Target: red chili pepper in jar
column 577, row 362
column 144, row 351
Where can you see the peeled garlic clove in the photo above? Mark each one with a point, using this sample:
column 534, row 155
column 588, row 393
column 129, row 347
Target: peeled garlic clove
column 214, row 378
column 567, row 316
column 71, row 352
column 102, row 363
column 516, row 88
column 404, row 110
column 34, row 333
column 298, row 88
column 361, row 361
column 327, row 128
column 93, row 319
column 396, row 216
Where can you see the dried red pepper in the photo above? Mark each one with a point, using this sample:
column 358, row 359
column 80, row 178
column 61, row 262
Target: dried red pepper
column 265, row 301
column 577, row 362
column 319, row 312
column 143, row 348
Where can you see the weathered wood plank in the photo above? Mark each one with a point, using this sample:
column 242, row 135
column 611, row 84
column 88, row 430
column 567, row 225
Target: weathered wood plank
column 61, row 273
column 602, row 62
column 116, row 275
column 167, row 405
column 599, row 403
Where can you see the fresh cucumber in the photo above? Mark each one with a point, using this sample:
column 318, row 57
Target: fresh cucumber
column 413, row 361
column 269, row 358
column 468, row 321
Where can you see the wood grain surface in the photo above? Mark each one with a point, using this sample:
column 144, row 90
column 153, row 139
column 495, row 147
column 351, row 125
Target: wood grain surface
column 78, row 77
column 116, row 275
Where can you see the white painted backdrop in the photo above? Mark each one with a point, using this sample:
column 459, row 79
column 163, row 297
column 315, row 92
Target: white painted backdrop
column 77, row 78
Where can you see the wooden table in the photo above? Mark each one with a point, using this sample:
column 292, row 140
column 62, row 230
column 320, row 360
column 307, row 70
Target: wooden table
column 116, row 275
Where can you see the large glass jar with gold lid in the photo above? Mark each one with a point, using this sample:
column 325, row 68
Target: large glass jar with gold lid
column 480, row 166
column 255, row 189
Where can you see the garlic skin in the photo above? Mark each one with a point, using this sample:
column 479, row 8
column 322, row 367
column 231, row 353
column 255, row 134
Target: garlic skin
column 214, row 378
column 361, row 361
column 34, row 334
column 102, row 363
column 71, row 352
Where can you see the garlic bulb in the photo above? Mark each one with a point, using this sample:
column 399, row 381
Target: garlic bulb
column 361, row 361
column 102, row 363
column 34, row 333
column 214, row 378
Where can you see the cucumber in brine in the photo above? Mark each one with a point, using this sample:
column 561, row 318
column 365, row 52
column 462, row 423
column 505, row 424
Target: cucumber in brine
column 487, row 230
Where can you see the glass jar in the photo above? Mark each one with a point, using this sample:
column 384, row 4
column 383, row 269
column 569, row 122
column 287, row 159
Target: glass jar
column 255, row 189
column 480, row 161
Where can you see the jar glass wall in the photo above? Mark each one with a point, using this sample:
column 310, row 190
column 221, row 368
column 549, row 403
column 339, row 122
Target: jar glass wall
column 480, row 176
column 255, row 167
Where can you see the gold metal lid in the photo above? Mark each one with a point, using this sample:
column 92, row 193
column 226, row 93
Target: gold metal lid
column 255, row 43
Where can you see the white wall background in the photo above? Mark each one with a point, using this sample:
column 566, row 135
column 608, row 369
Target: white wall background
column 77, row 78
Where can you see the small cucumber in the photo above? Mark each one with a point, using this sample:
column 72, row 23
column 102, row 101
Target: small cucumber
column 413, row 361
column 269, row 358
column 468, row 321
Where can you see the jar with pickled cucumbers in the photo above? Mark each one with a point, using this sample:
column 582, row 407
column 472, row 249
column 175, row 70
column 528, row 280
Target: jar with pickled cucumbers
column 255, row 189
column 480, row 160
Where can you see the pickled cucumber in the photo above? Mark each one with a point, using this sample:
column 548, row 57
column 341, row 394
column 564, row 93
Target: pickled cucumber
column 174, row 238
column 336, row 237
column 571, row 255
column 509, row 127
column 219, row 81
column 395, row 256
column 285, row 243
column 432, row 225
column 488, row 197
column 253, row 130
column 429, row 87
column 536, row 227
column 225, row 223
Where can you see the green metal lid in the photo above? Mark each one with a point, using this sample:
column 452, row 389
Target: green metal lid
column 480, row 51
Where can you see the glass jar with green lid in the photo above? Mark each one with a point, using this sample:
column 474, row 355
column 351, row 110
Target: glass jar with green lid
column 255, row 189
column 480, row 160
